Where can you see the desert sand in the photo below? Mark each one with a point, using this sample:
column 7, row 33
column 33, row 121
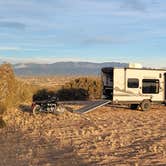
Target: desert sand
column 106, row 136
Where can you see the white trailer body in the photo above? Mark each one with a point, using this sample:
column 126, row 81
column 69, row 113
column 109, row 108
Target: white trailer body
column 134, row 85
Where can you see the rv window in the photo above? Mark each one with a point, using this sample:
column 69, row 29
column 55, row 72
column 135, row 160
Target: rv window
column 150, row 86
column 133, row 83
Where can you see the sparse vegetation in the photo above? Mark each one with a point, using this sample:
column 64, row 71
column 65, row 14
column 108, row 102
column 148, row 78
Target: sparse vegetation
column 23, row 93
column 2, row 123
column 15, row 91
column 92, row 85
column 72, row 94
column 12, row 91
column 99, row 138
column 7, row 83
column 2, row 111
column 43, row 94
column 2, row 108
column 82, row 88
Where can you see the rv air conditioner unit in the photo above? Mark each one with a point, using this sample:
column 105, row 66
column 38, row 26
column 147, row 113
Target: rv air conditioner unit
column 135, row 65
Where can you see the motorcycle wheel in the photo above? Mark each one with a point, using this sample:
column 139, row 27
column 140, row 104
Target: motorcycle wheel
column 59, row 109
column 36, row 110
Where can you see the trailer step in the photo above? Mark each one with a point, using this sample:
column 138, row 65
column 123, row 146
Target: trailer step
column 93, row 105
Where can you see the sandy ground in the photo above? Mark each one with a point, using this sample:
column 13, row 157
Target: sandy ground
column 106, row 136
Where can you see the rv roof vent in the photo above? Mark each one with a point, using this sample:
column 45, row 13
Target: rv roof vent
column 135, row 65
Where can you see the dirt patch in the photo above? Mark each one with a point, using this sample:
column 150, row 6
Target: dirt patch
column 106, row 136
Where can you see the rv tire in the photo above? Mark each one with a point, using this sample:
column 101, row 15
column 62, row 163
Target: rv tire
column 145, row 105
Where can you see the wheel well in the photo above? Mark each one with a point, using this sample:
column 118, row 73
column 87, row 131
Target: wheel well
column 146, row 100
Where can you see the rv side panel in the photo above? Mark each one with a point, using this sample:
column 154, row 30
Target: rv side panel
column 132, row 85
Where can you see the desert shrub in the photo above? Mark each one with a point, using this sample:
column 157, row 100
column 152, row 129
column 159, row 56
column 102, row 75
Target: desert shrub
column 23, row 93
column 7, row 83
column 82, row 88
column 90, row 84
column 12, row 91
column 72, row 94
column 2, row 123
column 43, row 94
column 2, row 110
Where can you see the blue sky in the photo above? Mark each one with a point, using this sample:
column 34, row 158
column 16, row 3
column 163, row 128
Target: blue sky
column 47, row 31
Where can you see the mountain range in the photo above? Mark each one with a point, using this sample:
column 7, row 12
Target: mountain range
column 63, row 68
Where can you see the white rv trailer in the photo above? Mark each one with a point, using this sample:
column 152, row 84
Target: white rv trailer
column 134, row 86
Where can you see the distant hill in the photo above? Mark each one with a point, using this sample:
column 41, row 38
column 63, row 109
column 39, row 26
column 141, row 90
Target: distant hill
column 63, row 68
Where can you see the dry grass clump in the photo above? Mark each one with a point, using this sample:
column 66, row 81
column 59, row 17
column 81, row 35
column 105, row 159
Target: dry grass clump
column 72, row 94
column 82, row 88
column 23, row 93
column 49, row 82
column 7, row 83
column 61, row 94
column 91, row 85
column 43, row 94
column 13, row 91
column 2, row 123
column 2, row 110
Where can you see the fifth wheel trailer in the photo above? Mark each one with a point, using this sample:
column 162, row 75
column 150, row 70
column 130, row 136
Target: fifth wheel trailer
column 134, row 86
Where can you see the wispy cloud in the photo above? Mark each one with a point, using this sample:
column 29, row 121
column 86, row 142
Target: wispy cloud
column 39, row 60
column 6, row 48
column 11, row 24
column 10, row 48
column 105, row 40
column 137, row 5
column 66, row 27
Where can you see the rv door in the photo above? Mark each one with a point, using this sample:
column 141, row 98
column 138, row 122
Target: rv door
column 107, row 79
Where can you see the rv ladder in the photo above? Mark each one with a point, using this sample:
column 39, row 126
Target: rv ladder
column 92, row 106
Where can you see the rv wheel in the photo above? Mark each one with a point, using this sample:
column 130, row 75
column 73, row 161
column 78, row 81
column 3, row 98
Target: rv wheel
column 145, row 105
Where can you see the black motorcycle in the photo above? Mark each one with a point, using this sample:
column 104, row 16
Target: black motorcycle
column 47, row 106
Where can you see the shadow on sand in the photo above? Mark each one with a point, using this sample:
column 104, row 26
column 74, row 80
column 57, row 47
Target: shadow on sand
column 25, row 108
